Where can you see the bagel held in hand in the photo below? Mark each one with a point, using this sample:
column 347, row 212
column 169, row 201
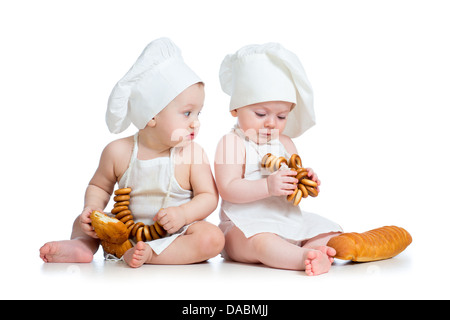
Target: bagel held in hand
column 306, row 187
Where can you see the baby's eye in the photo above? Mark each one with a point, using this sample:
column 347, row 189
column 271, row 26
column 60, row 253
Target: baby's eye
column 260, row 114
column 281, row 117
column 187, row 113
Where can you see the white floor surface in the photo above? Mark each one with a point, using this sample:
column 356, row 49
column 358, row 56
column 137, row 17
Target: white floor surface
column 407, row 276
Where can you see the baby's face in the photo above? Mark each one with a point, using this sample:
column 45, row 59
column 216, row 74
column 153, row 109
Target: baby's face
column 264, row 121
column 178, row 123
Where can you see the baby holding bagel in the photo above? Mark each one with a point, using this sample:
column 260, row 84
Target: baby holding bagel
column 166, row 186
column 272, row 100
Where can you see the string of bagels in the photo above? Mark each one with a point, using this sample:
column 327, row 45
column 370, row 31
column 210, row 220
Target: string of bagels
column 305, row 186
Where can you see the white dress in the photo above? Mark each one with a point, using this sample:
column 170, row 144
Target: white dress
column 154, row 186
column 273, row 214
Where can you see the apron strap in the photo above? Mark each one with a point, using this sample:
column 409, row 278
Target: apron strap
column 133, row 159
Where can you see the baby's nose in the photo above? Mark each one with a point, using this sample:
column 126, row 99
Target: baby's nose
column 269, row 123
column 195, row 124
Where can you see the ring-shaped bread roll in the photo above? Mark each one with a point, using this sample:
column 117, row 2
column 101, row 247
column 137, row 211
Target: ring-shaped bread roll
column 126, row 218
column 264, row 160
column 128, row 224
column 122, row 197
column 292, row 195
column 153, row 232
column 301, row 175
column 298, row 197
column 308, row 182
column 295, row 161
column 271, row 163
column 278, row 162
column 304, row 190
column 160, row 230
column 122, row 214
column 136, row 227
column 118, row 209
column 121, row 203
column 147, row 234
column 305, row 187
column 122, row 191
column 139, row 234
column 312, row 191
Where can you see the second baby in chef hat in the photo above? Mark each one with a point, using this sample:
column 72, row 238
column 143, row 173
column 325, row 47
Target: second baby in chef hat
column 168, row 173
column 272, row 99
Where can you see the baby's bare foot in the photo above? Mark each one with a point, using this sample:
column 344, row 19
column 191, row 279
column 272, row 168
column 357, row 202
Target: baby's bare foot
column 317, row 263
column 138, row 255
column 68, row 251
column 330, row 252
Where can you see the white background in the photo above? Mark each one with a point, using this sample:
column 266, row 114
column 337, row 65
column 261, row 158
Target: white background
column 380, row 72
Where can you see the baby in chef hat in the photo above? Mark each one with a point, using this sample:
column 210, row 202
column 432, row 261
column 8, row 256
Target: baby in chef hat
column 272, row 100
column 168, row 173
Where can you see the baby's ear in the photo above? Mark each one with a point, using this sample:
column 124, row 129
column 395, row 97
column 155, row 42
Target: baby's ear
column 152, row 123
column 234, row 113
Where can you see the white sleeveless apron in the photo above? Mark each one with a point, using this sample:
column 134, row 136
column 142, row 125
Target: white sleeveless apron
column 154, row 186
column 273, row 214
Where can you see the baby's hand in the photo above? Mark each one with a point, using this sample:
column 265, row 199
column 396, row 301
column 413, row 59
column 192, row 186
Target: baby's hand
column 282, row 182
column 313, row 177
column 85, row 222
column 171, row 219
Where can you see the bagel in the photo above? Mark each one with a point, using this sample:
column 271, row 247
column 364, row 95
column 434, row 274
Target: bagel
column 295, row 161
column 118, row 209
column 298, row 197
column 292, row 195
column 308, row 182
column 305, row 186
column 122, row 197
column 122, row 191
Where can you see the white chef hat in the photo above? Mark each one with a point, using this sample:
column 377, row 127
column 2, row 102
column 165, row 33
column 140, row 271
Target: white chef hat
column 269, row 72
column 156, row 78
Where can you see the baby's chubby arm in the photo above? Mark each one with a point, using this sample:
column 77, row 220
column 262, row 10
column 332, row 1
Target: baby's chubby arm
column 205, row 195
column 230, row 167
column 98, row 193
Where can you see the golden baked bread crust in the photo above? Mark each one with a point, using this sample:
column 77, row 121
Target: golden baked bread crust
column 376, row 244
column 109, row 229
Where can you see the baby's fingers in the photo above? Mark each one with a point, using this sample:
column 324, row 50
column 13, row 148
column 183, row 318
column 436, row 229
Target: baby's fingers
column 89, row 230
column 290, row 180
column 287, row 172
column 313, row 176
column 159, row 216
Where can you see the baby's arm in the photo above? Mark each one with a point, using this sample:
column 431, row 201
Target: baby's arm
column 102, row 183
column 205, row 196
column 230, row 167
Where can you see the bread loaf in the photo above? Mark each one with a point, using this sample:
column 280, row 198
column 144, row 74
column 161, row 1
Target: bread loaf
column 109, row 229
column 115, row 249
column 377, row 244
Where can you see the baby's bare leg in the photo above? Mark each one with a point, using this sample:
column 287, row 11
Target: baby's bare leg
column 266, row 248
column 201, row 242
column 79, row 249
column 275, row 252
column 320, row 240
